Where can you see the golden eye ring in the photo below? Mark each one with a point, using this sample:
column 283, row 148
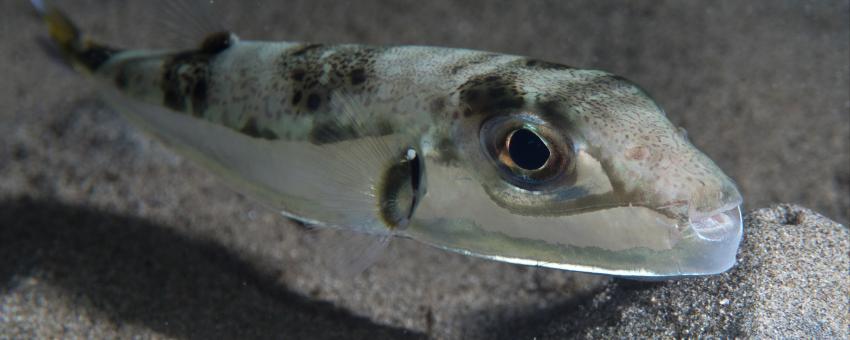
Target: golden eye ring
column 527, row 152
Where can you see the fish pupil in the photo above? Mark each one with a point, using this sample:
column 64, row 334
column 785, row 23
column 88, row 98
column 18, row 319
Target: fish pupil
column 527, row 150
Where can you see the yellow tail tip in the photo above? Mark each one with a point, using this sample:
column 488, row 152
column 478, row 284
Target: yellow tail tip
column 81, row 54
column 61, row 30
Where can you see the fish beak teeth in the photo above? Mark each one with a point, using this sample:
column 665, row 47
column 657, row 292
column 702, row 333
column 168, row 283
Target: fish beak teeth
column 718, row 226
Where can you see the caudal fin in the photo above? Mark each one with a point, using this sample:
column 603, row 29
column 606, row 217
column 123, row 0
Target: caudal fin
column 80, row 53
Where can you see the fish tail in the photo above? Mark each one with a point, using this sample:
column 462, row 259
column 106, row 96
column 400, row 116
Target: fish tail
column 81, row 53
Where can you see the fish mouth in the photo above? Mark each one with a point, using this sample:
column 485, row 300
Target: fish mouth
column 718, row 225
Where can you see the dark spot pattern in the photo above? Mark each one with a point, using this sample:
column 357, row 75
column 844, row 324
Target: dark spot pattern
column 550, row 110
column 296, row 98
column 186, row 75
column 489, row 93
column 184, row 82
column 297, row 74
column 313, row 102
column 383, row 128
column 544, row 65
column 315, row 78
column 358, row 76
column 438, row 105
column 448, row 151
column 475, row 60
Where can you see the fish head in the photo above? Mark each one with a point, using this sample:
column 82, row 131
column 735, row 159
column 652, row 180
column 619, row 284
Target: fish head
column 586, row 174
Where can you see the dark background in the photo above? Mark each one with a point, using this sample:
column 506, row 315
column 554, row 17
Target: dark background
column 103, row 232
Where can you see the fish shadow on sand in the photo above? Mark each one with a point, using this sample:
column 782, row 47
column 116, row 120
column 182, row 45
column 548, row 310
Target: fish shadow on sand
column 572, row 318
column 131, row 271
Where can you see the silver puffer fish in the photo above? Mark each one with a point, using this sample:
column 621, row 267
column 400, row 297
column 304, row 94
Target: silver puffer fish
column 498, row 156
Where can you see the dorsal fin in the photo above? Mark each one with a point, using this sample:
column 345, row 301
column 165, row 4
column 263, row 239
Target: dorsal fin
column 187, row 22
column 217, row 42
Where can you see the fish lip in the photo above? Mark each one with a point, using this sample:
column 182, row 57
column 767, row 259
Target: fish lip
column 718, row 225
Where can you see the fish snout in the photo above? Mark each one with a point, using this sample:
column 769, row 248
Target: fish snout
column 706, row 200
column 717, row 213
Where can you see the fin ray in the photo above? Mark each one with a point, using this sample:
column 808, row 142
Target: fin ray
column 187, row 22
column 348, row 254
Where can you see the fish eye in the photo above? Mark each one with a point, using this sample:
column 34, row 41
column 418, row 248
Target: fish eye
column 527, row 149
column 527, row 152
